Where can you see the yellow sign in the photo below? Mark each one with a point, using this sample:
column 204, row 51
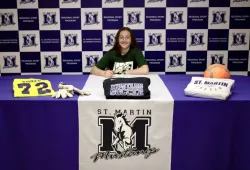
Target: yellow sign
column 32, row 87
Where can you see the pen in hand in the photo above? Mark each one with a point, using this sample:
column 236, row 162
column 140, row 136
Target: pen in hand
column 108, row 73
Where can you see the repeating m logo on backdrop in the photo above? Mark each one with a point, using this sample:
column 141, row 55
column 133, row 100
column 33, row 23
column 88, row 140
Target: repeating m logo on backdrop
column 193, row 1
column 176, row 17
column 134, row 17
column 239, row 39
column 9, row 62
column 121, row 138
column 91, row 60
column 27, row 1
column 91, row 18
column 50, row 61
column 152, row 1
column 7, row 19
column 219, row 17
column 29, row 40
column 49, row 18
column 240, row 1
column 154, row 39
column 197, row 39
column 217, row 59
column 69, row 1
column 111, row 1
column 175, row 60
column 110, row 39
column 70, row 40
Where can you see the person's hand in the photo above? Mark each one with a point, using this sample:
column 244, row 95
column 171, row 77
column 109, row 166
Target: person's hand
column 108, row 73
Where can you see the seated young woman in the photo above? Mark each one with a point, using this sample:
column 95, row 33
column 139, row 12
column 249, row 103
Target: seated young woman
column 124, row 58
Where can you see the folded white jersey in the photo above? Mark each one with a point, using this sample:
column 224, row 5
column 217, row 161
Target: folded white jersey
column 209, row 88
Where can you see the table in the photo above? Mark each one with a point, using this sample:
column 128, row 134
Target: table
column 207, row 134
column 44, row 138
column 210, row 134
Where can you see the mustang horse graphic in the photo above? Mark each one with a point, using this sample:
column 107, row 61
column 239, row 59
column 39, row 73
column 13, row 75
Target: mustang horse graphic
column 123, row 132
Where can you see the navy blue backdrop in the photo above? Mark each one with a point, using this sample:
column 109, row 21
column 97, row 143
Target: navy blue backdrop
column 176, row 36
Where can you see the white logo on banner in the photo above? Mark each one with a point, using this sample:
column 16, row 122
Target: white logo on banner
column 69, row 1
column 198, row 3
column 197, row 40
column 10, row 62
column 112, row 3
column 91, row 18
column 177, row 18
column 135, row 134
column 49, row 19
column 219, row 18
column 29, row 41
column 108, row 37
column 8, row 20
column 70, row 4
column 155, row 40
column 71, row 40
column 155, row 3
column 134, row 18
column 240, row 3
column 90, row 59
column 27, row 3
column 51, row 62
column 217, row 57
column 175, row 61
column 238, row 39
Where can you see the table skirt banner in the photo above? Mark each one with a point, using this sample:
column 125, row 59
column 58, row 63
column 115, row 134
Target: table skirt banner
column 168, row 130
column 125, row 134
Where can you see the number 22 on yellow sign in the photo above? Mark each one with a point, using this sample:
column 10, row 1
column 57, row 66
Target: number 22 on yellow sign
column 32, row 88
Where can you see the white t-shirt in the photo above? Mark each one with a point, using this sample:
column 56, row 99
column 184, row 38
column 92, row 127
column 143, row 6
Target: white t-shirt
column 209, row 88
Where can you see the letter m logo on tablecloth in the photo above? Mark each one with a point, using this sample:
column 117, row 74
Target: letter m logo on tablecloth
column 119, row 135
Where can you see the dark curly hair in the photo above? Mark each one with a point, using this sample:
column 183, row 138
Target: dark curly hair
column 117, row 47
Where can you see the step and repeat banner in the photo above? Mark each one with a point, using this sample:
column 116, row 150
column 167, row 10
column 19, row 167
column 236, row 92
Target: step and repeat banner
column 176, row 36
